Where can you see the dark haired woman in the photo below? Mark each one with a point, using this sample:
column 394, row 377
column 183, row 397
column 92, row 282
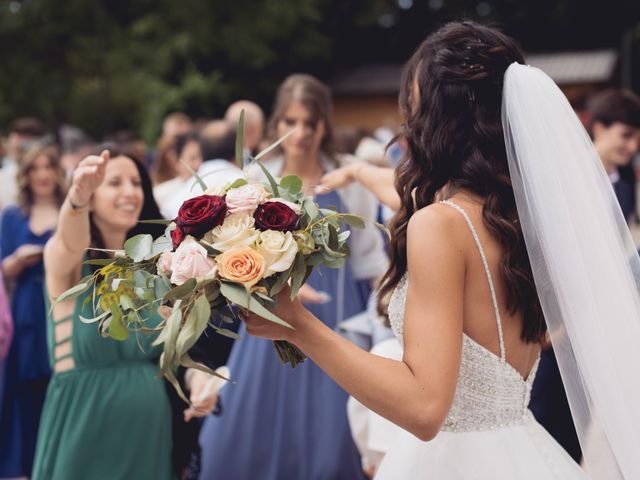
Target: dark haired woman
column 297, row 417
column 106, row 413
column 26, row 227
column 464, row 301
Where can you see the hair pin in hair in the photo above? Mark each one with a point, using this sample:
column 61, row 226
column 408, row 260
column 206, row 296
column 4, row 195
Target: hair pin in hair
column 472, row 95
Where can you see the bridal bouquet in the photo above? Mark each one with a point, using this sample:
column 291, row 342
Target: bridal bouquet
column 237, row 245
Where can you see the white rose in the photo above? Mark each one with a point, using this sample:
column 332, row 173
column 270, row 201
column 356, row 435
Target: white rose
column 246, row 198
column 293, row 206
column 278, row 249
column 236, row 231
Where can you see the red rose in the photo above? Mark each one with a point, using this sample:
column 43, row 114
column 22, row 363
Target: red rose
column 177, row 235
column 275, row 216
column 200, row 214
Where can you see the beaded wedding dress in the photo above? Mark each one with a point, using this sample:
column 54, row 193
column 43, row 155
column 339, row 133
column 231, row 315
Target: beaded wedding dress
column 489, row 432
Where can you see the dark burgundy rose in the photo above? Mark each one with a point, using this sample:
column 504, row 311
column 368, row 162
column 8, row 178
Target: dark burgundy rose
column 200, row 214
column 275, row 216
column 177, row 236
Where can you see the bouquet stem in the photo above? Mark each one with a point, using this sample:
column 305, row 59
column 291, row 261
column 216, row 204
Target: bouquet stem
column 289, row 353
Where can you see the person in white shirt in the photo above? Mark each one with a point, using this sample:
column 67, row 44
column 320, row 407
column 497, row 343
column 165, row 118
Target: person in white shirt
column 170, row 194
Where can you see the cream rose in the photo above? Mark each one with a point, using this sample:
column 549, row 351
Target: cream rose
column 241, row 265
column 190, row 260
column 236, row 231
column 278, row 249
column 246, row 198
column 293, row 206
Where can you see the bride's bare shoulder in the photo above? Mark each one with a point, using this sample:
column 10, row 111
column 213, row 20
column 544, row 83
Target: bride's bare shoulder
column 437, row 221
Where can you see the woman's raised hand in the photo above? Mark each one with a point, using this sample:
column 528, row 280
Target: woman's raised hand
column 340, row 177
column 87, row 177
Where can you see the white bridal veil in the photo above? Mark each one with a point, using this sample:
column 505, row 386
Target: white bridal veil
column 586, row 268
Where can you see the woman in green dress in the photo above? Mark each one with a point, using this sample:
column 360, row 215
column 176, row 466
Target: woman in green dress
column 106, row 414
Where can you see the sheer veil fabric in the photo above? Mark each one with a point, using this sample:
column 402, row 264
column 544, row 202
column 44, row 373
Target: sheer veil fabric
column 585, row 264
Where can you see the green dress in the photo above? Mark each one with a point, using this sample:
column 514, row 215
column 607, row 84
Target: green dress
column 109, row 416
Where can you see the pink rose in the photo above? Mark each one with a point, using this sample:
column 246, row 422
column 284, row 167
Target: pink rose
column 190, row 260
column 245, row 198
column 165, row 262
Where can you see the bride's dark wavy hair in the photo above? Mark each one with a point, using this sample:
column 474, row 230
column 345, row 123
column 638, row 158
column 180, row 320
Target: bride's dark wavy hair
column 451, row 98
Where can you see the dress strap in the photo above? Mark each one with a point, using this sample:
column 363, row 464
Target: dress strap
column 487, row 271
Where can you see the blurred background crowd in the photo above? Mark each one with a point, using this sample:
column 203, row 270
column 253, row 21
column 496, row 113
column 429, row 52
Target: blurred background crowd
column 165, row 82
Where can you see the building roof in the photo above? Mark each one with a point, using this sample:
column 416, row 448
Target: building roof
column 563, row 67
column 576, row 67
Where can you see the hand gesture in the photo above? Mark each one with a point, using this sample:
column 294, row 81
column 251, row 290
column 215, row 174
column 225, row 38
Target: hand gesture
column 340, row 177
column 203, row 399
column 87, row 177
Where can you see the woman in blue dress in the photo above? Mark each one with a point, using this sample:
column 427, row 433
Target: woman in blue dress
column 26, row 227
column 279, row 422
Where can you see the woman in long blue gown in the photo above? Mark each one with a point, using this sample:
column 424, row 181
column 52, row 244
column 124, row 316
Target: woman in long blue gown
column 25, row 227
column 279, row 422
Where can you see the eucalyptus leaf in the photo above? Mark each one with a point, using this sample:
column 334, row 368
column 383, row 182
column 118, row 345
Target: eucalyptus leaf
column 293, row 183
column 117, row 329
column 188, row 362
column 240, row 141
column 138, row 247
column 173, row 329
column 240, row 182
column 353, row 220
column 311, row 208
column 228, row 333
column 195, row 323
column 141, row 278
column 343, row 236
column 100, row 317
column 160, row 286
column 169, row 375
column 180, row 291
column 274, row 145
column 160, row 245
column 298, row 274
column 158, row 221
column 195, row 175
column 384, row 229
column 133, row 318
column 238, row 294
column 126, row 302
column 73, row 292
column 277, row 287
column 272, row 182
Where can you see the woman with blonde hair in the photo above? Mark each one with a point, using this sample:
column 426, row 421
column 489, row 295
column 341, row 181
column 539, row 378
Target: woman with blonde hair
column 26, row 227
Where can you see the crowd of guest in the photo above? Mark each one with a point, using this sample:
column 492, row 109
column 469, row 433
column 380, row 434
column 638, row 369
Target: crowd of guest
column 73, row 405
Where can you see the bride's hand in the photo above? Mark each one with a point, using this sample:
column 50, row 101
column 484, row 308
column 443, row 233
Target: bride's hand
column 291, row 311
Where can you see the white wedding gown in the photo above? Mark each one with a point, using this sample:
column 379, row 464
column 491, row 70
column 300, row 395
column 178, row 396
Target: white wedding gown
column 489, row 432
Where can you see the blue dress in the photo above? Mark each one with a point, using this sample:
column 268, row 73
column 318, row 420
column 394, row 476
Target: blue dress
column 27, row 369
column 283, row 423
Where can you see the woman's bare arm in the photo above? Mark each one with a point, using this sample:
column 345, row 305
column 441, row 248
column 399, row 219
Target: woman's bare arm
column 415, row 393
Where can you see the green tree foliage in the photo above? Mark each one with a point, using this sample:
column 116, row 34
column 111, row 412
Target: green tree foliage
column 107, row 65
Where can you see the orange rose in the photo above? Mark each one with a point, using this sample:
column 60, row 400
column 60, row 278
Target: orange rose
column 241, row 265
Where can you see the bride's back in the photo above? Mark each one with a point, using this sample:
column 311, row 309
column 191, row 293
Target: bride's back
column 479, row 320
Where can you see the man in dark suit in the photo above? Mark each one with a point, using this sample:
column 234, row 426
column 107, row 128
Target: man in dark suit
column 614, row 126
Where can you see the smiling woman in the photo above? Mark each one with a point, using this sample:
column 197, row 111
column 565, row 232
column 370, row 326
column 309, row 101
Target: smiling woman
column 102, row 392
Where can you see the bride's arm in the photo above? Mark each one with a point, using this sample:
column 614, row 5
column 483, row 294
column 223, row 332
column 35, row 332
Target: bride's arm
column 415, row 393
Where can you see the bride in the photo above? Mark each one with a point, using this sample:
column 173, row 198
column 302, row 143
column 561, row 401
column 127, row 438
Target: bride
column 506, row 220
